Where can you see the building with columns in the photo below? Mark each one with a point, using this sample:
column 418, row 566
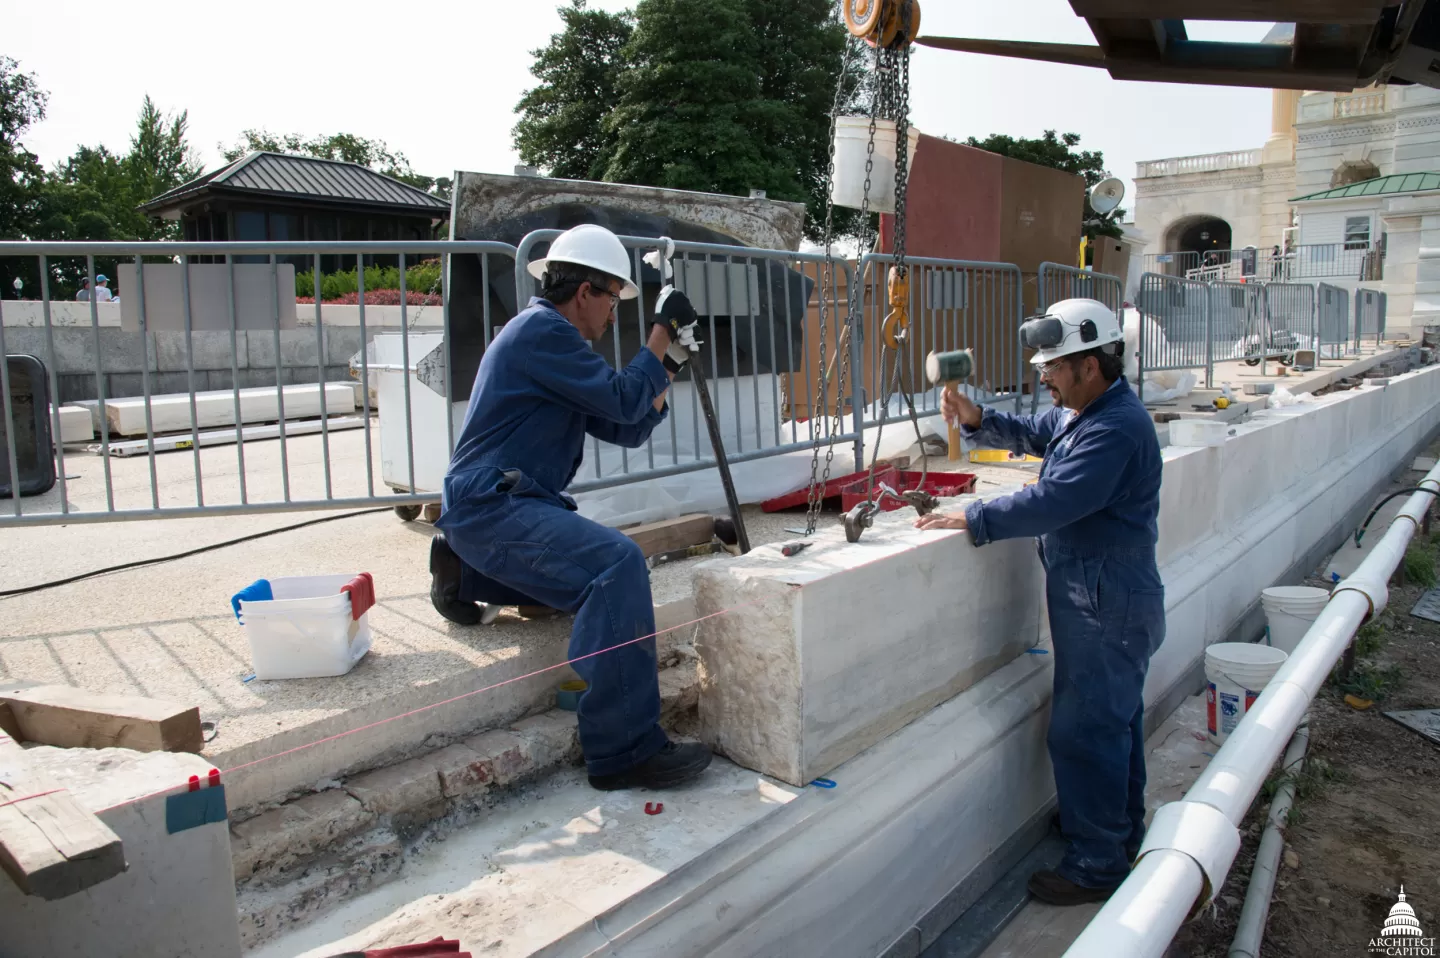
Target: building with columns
column 1324, row 199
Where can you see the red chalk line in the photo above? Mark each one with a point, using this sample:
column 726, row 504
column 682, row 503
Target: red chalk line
column 402, row 715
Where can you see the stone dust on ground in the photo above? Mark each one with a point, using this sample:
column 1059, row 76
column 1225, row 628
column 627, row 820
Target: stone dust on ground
column 1368, row 817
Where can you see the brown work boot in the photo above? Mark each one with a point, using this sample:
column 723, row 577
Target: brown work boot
column 1052, row 889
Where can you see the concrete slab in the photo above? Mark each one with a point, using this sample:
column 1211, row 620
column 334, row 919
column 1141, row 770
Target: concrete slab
column 171, row 413
column 545, row 862
column 808, row 660
column 177, row 895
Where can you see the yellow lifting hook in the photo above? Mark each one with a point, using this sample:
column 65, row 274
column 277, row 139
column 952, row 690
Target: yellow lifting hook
column 897, row 321
column 890, row 23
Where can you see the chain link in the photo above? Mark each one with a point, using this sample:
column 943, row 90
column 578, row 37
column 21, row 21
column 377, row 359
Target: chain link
column 891, row 101
column 828, row 284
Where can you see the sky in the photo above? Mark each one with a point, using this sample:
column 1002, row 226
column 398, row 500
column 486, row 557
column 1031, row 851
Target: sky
column 439, row 81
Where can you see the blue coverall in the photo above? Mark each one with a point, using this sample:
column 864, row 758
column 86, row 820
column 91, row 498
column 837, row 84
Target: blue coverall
column 540, row 390
column 1094, row 509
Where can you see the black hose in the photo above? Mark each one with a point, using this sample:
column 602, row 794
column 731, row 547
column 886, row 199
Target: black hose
column 1360, row 532
column 183, row 555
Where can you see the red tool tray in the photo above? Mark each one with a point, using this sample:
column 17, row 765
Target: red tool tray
column 939, row 484
column 831, row 494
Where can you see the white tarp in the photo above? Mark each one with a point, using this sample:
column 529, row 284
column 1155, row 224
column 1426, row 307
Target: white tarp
column 684, row 432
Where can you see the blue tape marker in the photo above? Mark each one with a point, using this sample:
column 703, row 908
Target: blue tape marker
column 1037, row 651
column 193, row 809
column 249, row 678
column 823, row 783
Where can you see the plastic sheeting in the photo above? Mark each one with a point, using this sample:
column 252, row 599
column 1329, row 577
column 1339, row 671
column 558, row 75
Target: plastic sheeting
column 684, row 433
column 1161, row 385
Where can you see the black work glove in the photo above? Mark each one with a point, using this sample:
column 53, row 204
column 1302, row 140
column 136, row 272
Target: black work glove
column 678, row 318
column 674, row 313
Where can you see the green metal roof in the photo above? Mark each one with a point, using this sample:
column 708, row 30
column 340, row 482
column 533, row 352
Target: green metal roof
column 1379, row 186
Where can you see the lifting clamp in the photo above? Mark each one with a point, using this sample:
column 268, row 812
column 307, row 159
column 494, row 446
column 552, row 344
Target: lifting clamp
column 862, row 516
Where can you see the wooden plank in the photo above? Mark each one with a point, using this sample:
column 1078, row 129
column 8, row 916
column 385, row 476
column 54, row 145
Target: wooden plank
column 50, row 845
column 74, row 718
column 667, row 535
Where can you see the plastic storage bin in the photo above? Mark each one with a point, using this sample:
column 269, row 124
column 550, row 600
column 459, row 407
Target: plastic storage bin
column 306, row 630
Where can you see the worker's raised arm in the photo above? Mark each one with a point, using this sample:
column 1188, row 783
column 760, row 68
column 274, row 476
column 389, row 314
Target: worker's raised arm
column 1082, row 482
column 1022, row 435
column 563, row 363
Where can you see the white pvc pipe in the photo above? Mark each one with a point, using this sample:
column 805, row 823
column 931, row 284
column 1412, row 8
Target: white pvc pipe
column 1251, row 929
column 1141, row 918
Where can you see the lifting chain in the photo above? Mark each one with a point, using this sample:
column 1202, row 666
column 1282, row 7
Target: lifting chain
column 888, row 27
column 893, row 69
column 828, row 287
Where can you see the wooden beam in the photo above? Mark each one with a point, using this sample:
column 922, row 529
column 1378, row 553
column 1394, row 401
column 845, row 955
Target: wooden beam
column 50, row 845
column 68, row 717
column 1273, row 11
column 668, row 535
column 1075, row 54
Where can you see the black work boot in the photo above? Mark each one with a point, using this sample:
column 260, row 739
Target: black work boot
column 672, row 765
column 445, row 569
column 1052, row 889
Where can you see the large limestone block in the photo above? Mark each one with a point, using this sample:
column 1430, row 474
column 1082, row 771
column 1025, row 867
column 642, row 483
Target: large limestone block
column 808, row 660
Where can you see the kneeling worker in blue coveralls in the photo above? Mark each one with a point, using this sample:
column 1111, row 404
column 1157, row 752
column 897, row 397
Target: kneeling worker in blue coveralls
column 1094, row 510
column 511, row 536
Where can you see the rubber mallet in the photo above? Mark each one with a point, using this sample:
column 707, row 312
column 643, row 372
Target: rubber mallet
column 950, row 368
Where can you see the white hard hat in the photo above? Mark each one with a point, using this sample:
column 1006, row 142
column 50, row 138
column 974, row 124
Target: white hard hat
column 592, row 246
column 1070, row 326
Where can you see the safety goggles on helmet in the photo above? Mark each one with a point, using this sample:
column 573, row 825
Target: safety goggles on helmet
column 1047, row 332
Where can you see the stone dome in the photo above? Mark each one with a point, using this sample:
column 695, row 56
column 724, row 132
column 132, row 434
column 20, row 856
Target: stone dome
column 1402, row 921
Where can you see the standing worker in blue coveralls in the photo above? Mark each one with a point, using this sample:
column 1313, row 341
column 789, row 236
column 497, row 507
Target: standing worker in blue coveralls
column 1094, row 509
column 511, row 536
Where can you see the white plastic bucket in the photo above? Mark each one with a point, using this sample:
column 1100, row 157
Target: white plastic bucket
column 1237, row 673
column 852, row 141
column 307, row 630
column 1290, row 610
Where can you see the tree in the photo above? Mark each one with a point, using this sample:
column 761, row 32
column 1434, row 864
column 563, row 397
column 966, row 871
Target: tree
column 95, row 193
column 690, row 114
column 22, row 105
column 347, row 147
column 562, row 126
column 1058, row 152
column 160, row 157
column 719, row 96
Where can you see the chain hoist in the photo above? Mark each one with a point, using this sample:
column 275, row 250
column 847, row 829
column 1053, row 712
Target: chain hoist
column 893, row 103
column 888, row 27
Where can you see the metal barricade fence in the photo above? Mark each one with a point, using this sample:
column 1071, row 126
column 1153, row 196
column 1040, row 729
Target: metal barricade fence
column 1332, row 318
column 1236, row 315
column 1175, row 328
column 954, row 304
column 1369, row 316
column 1056, row 282
column 1171, row 264
column 1291, row 308
column 760, row 329
column 207, row 351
